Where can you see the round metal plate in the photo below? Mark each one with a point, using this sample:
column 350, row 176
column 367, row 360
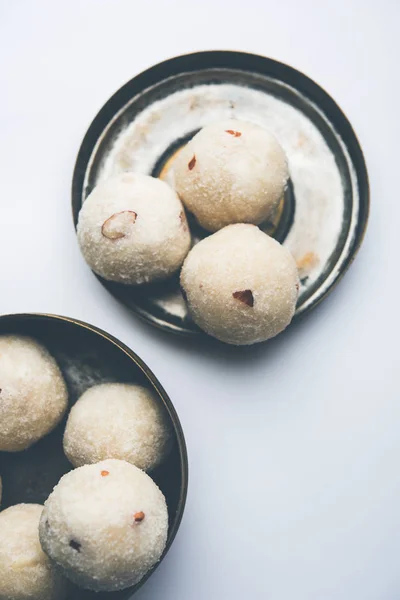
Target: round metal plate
column 321, row 219
column 87, row 356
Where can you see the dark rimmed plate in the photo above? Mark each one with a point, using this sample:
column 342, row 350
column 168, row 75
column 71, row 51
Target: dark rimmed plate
column 87, row 356
column 324, row 214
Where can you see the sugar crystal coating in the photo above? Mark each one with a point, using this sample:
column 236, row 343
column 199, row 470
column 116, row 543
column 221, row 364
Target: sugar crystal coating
column 115, row 420
column 26, row 573
column 131, row 229
column 88, row 526
column 241, row 285
column 231, row 172
column 33, row 394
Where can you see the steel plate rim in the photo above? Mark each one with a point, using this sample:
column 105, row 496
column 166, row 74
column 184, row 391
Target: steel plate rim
column 148, row 373
column 221, row 56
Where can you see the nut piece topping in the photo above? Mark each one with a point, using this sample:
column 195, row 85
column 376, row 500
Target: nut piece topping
column 139, row 516
column 234, row 133
column 245, row 296
column 105, row 473
column 75, row 545
column 118, row 226
column 192, row 162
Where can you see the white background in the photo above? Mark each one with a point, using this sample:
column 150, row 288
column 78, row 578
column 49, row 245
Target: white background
column 294, row 445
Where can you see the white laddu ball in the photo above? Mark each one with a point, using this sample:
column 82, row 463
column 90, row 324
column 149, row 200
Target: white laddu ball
column 241, row 285
column 115, row 420
column 105, row 525
column 231, row 172
column 26, row 573
column 33, row 393
column 132, row 229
